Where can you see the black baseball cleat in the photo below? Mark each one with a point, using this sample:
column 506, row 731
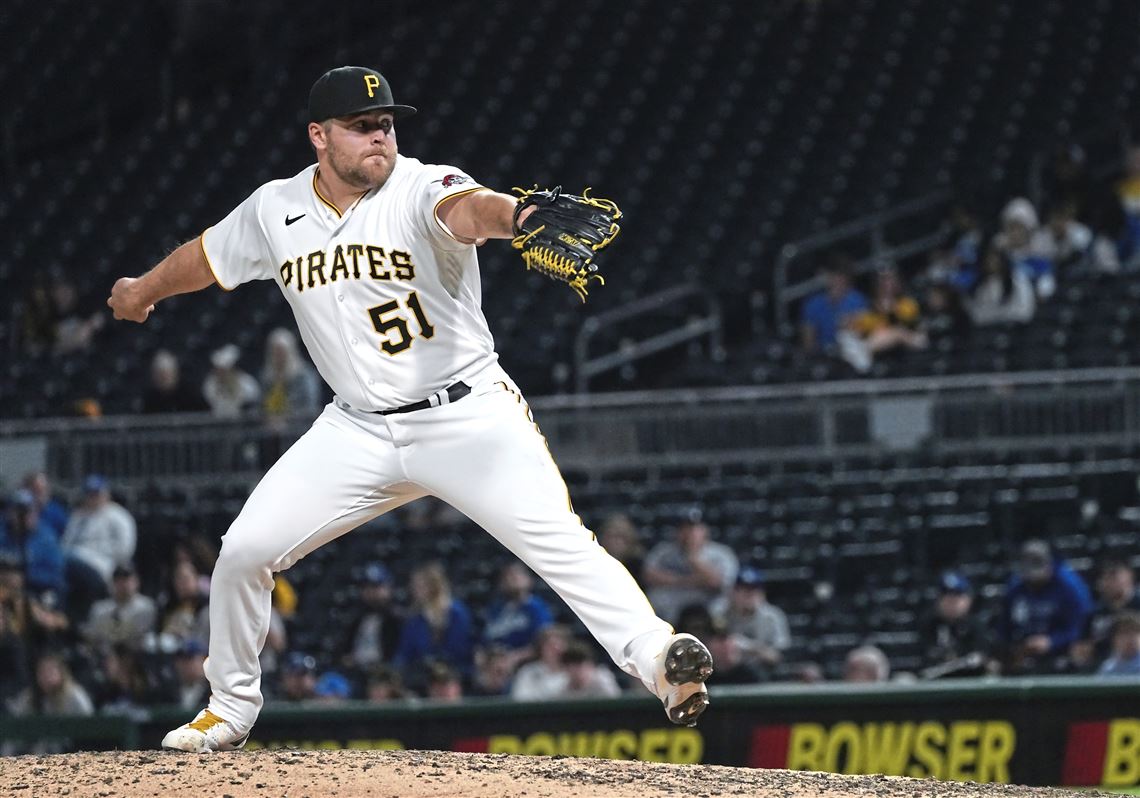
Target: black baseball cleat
column 683, row 667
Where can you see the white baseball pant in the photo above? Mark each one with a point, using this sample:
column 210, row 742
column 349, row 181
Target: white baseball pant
column 483, row 455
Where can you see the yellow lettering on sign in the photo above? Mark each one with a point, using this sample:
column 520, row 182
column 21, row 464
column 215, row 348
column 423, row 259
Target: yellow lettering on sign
column 371, row 82
column 686, row 746
column 652, row 748
column 962, row 752
column 845, row 739
column 995, row 750
column 887, row 748
column 805, row 748
column 623, row 745
column 929, row 740
column 504, row 744
column 1122, row 753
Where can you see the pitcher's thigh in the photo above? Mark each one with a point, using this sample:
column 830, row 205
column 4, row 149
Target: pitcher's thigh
column 331, row 480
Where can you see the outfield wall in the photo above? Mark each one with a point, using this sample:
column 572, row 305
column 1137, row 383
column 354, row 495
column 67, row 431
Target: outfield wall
column 1027, row 731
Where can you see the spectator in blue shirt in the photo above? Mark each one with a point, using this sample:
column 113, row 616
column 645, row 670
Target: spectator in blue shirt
column 1125, row 657
column 516, row 614
column 1045, row 610
column 52, row 511
column 439, row 628
column 25, row 539
column 825, row 313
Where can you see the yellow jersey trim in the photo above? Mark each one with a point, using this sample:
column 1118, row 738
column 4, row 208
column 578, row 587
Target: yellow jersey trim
column 321, row 196
column 213, row 271
column 449, row 198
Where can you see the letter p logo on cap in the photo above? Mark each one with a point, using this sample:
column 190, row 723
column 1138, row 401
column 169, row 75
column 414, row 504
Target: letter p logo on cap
column 371, row 82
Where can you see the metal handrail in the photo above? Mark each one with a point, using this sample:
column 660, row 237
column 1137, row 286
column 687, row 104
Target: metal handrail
column 586, row 367
column 872, row 223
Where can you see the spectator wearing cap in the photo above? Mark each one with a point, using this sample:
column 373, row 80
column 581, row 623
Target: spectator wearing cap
column 955, row 641
column 100, row 536
column 228, row 390
column 690, row 569
column 1045, row 610
column 1124, row 658
column 298, row 677
column 494, row 670
column 384, row 684
column 166, row 393
column 126, row 618
column 583, row 678
column 193, row 689
column 735, row 663
column 332, row 687
column 1116, row 593
column 32, row 546
column 516, row 614
column 444, row 683
column 374, row 633
column 760, row 628
column 1019, row 225
column 826, row 313
column 51, row 510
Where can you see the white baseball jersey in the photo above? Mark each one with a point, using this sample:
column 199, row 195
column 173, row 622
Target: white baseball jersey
column 387, row 300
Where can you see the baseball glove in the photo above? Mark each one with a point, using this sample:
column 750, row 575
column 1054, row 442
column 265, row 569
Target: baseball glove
column 563, row 235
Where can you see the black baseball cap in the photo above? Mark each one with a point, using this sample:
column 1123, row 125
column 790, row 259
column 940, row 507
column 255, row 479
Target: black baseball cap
column 349, row 90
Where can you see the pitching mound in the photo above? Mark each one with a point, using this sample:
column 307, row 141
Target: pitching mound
column 412, row 774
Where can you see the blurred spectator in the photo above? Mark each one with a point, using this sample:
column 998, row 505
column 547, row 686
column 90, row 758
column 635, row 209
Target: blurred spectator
column 33, row 546
column 1128, row 195
column 955, row 641
column 277, row 638
column 494, row 669
column 760, row 628
column 374, row 633
column 890, row 323
column 1004, row 295
column 583, row 678
column 1063, row 241
column 956, row 262
column 37, row 318
column 516, row 615
column 696, row 619
column 384, row 684
column 1044, row 612
column 944, row 314
column 1067, row 178
column 1116, row 593
column 185, row 613
column 122, row 684
column 55, row 691
column 288, row 383
column 298, row 678
column 865, row 665
column 689, row 569
column 13, row 652
column 826, row 313
column 332, row 688
column 100, row 536
column 228, row 390
column 444, row 683
column 73, row 331
column 729, row 654
column 618, row 536
column 36, row 619
column 808, row 673
column 1124, row 659
column 439, row 628
column 544, row 677
column 166, row 394
column 1019, row 225
column 51, row 510
column 126, row 618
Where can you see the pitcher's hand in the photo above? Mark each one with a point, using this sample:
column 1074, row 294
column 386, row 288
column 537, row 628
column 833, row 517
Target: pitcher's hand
column 124, row 303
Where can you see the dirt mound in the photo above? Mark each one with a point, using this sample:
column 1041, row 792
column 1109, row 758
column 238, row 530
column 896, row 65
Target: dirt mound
column 413, row 774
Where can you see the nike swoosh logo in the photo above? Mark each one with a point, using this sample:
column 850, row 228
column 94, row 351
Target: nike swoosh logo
column 289, row 221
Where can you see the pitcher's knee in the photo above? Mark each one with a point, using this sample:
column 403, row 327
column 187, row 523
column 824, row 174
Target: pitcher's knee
column 244, row 554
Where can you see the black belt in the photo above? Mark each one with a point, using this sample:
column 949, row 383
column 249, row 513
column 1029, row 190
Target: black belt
column 453, row 392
